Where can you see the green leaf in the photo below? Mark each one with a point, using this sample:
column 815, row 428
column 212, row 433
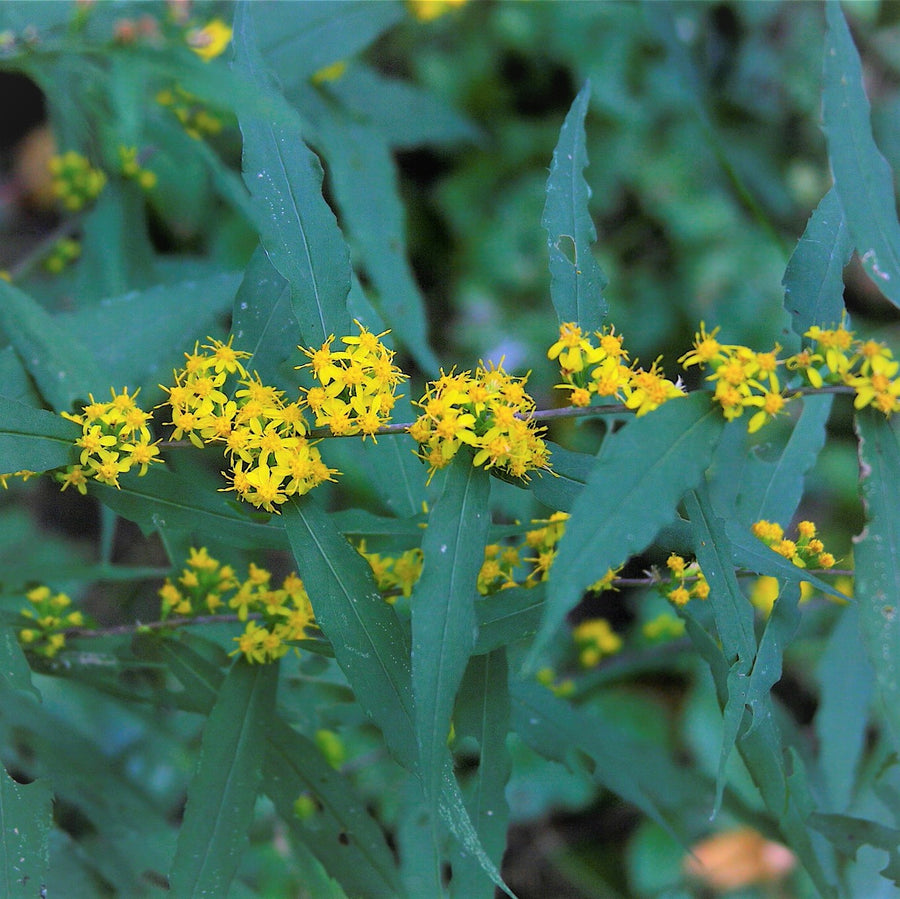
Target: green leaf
column 734, row 619
column 555, row 729
column 116, row 254
column 848, row 834
column 559, row 489
column 341, row 832
column 846, row 683
column 814, row 278
column 369, row 643
column 14, row 669
column 877, row 558
column 637, row 480
column 482, row 715
column 363, row 176
column 222, row 795
column 405, row 115
column 770, row 485
column 443, row 608
column 300, row 39
column 62, row 368
column 404, row 491
column 297, row 228
column 264, row 323
column 34, row 439
column 163, row 499
column 139, row 337
column 862, row 177
column 25, row 816
column 508, row 617
column 576, row 280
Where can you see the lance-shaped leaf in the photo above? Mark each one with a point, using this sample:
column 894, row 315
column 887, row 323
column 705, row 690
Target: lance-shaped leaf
column 162, row 499
column 297, row 227
column 34, row 439
column 369, row 643
column 862, row 177
column 576, row 280
column 62, row 368
column 555, row 729
column 640, row 475
column 846, row 682
column 363, row 175
column 222, row 795
column 26, row 815
column 559, row 490
column 877, row 558
column 302, row 38
column 482, row 714
column 733, row 615
column 848, row 834
column 814, row 278
column 263, row 322
column 443, row 608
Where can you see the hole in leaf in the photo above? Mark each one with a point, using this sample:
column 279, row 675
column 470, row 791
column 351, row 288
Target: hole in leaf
column 566, row 246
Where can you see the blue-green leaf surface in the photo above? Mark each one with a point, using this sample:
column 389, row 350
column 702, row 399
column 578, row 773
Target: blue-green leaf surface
column 341, row 833
column 298, row 39
column 363, row 176
column 482, row 714
column 405, row 115
column 640, row 475
column 25, row 816
column 443, row 608
column 369, row 643
column 877, row 559
column 814, row 278
column 556, row 729
column 263, row 323
column 862, row 177
column 34, row 439
column 559, row 490
column 163, row 499
column 62, row 368
column 846, row 683
column 297, row 227
column 849, row 833
column 733, row 614
column 576, row 280
column 222, row 795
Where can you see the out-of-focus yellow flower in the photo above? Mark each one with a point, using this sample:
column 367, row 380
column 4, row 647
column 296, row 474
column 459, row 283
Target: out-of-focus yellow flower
column 211, row 40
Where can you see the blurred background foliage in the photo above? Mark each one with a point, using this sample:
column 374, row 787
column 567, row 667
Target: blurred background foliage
column 706, row 160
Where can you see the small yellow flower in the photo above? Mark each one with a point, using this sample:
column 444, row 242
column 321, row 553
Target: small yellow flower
column 211, row 40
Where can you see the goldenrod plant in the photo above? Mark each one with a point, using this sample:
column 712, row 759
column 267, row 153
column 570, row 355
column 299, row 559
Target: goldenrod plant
column 355, row 521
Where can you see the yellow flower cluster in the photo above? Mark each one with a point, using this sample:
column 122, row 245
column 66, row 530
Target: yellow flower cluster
column 196, row 120
column 805, row 552
column 743, row 379
column 594, row 638
column 275, row 617
column 131, row 168
column 264, row 436
column 600, row 370
column 394, row 573
column 115, row 438
column 62, row 253
column 686, row 581
column 487, row 410
column 866, row 366
column 498, row 569
column 75, row 182
column 357, row 386
column 47, row 612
